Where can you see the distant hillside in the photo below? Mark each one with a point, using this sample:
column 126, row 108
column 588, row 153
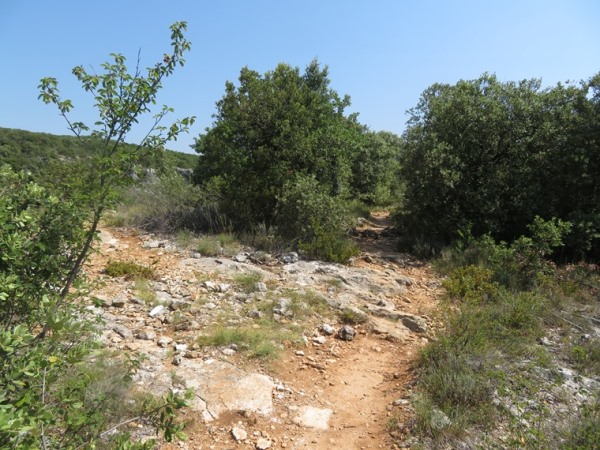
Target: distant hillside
column 26, row 150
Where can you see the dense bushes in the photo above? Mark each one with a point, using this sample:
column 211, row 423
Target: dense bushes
column 166, row 204
column 490, row 156
column 33, row 152
column 276, row 131
column 270, row 129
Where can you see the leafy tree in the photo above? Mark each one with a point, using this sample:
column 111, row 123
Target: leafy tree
column 375, row 168
column 47, row 394
column 488, row 157
column 270, row 129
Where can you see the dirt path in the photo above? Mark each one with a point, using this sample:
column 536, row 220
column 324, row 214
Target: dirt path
column 329, row 393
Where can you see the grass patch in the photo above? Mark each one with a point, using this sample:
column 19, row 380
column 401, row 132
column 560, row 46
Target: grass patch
column 184, row 238
column 350, row 316
column 129, row 270
column 216, row 245
column 208, row 246
column 585, row 355
column 263, row 340
column 584, row 431
column 247, row 281
column 145, row 291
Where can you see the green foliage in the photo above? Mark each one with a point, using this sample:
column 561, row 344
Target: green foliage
column 145, row 291
column 319, row 221
column 41, row 238
column 375, row 169
column 586, row 356
column 215, row 245
column 501, row 296
column 490, row 156
column 53, row 392
column 166, row 204
column 270, row 129
column 585, row 429
column 129, row 270
column 352, row 317
column 521, row 265
column 246, row 282
column 40, row 152
column 264, row 342
column 472, row 284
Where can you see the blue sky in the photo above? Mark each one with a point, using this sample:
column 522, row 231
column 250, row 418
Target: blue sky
column 383, row 53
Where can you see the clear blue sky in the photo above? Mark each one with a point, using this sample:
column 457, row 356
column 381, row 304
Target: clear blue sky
column 383, row 53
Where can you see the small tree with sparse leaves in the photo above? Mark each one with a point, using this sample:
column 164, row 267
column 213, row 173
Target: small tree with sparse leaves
column 50, row 392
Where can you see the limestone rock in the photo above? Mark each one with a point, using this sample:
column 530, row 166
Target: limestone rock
column 239, row 434
column 311, row 417
column 123, row 331
column 327, row 329
column 346, row 333
column 157, row 311
column 263, row 444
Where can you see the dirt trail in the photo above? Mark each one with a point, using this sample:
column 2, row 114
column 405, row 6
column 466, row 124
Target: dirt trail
column 355, row 388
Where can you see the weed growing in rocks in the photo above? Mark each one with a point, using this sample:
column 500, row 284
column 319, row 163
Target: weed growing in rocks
column 247, row 282
column 129, row 270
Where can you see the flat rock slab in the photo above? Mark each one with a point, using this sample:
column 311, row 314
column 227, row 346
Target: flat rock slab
column 220, row 386
column 394, row 331
column 311, row 417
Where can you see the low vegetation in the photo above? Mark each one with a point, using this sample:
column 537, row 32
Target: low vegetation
column 488, row 362
column 265, row 340
column 129, row 270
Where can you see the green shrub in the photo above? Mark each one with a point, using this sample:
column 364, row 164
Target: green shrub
column 584, row 431
column 308, row 214
column 167, row 204
column 352, row 317
column 329, row 247
column 129, row 270
column 472, row 284
column 208, row 246
column 521, row 265
column 586, row 356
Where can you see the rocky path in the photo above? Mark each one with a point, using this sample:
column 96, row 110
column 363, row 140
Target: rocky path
column 334, row 386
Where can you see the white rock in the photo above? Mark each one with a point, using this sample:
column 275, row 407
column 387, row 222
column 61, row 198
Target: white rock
column 311, row 417
column 163, row 341
column 157, row 311
column 319, row 340
column 239, row 434
column 327, row 329
column 263, row 444
column 181, row 347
